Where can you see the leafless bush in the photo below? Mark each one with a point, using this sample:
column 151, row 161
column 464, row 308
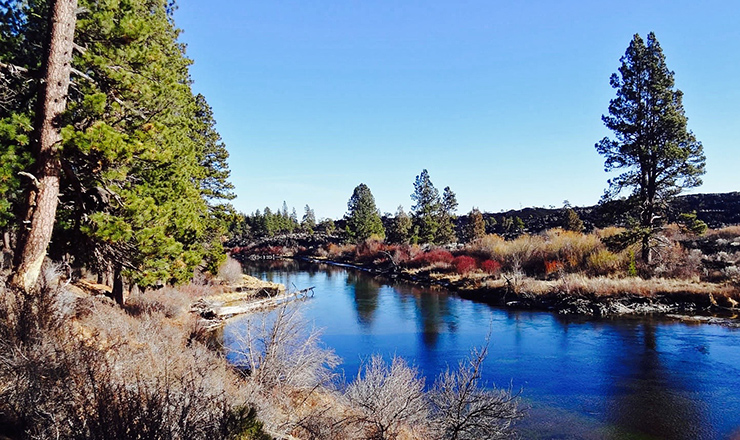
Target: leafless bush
column 387, row 398
column 464, row 409
column 279, row 349
column 230, row 271
column 289, row 368
column 109, row 375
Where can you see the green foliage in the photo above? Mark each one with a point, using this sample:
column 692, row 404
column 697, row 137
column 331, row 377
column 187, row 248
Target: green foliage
column 659, row 155
column 326, row 226
column 308, row 223
column 571, row 221
column 399, row 231
column 242, row 424
column 269, row 224
column 14, row 157
column 211, row 154
column 446, row 232
column 363, row 217
column 144, row 170
column 433, row 217
column 690, row 223
column 475, row 227
column 518, row 224
column 632, row 268
column 426, row 208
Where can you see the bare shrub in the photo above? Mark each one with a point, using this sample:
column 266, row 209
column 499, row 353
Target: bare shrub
column 31, row 355
column 230, row 271
column 463, row 408
column 288, row 366
column 279, row 349
column 107, row 374
column 388, row 398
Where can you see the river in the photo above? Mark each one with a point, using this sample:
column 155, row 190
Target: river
column 636, row 378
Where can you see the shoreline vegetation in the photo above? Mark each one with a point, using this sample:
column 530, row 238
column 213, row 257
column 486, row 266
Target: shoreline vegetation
column 562, row 271
column 75, row 364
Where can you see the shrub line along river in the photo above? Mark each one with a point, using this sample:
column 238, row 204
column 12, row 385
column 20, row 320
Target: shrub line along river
column 641, row 378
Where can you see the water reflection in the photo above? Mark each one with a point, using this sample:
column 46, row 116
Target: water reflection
column 587, row 379
column 643, row 393
column 365, row 292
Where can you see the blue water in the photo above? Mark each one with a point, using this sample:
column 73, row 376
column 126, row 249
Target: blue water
column 582, row 379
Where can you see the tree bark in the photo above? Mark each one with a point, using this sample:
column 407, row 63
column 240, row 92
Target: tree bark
column 52, row 102
column 118, row 287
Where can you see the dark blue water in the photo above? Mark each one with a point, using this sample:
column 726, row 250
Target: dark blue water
column 589, row 379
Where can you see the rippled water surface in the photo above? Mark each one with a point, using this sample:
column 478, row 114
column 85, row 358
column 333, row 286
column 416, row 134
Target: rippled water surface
column 584, row 379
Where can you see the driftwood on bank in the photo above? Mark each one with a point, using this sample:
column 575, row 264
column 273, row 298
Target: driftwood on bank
column 251, row 295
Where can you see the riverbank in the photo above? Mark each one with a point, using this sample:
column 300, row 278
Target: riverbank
column 574, row 294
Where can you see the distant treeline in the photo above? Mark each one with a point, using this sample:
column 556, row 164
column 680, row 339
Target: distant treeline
column 716, row 210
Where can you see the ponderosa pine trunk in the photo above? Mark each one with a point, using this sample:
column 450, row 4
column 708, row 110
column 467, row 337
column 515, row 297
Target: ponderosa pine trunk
column 42, row 204
column 118, row 287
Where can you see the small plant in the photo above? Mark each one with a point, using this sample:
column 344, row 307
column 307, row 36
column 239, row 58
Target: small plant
column 388, row 397
column 433, row 257
column 464, row 264
column 230, row 271
column 491, row 267
column 690, row 223
column 632, row 267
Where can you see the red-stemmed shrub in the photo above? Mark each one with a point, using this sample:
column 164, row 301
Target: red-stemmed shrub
column 370, row 250
column 491, row 266
column 433, row 257
column 464, row 264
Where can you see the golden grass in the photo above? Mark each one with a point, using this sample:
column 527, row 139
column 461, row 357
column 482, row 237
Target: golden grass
column 728, row 232
column 579, row 284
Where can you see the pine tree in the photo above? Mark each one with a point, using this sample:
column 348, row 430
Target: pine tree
column 400, row 227
column 446, row 232
column 571, row 221
column 363, row 217
column 212, row 154
column 652, row 143
column 426, row 208
column 475, row 227
column 308, row 223
column 51, row 101
column 140, row 165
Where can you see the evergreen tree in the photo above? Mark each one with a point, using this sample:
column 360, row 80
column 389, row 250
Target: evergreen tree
column 475, row 227
column 446, row 231
column 140, row 165
column 652, row 144
column 690, row 223
column 211, row 154
column 363, row 217
column 571, row 221
column 270, row 222
column 425, row 209
column 400, row 227
column 294, row 220
column 51, row 101
column 308, row 223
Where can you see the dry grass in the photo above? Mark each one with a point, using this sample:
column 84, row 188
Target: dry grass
column 80, row 367
column 579, row 284
column 727, row 233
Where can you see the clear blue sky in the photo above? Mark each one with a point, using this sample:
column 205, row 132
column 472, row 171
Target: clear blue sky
column 500, row 100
